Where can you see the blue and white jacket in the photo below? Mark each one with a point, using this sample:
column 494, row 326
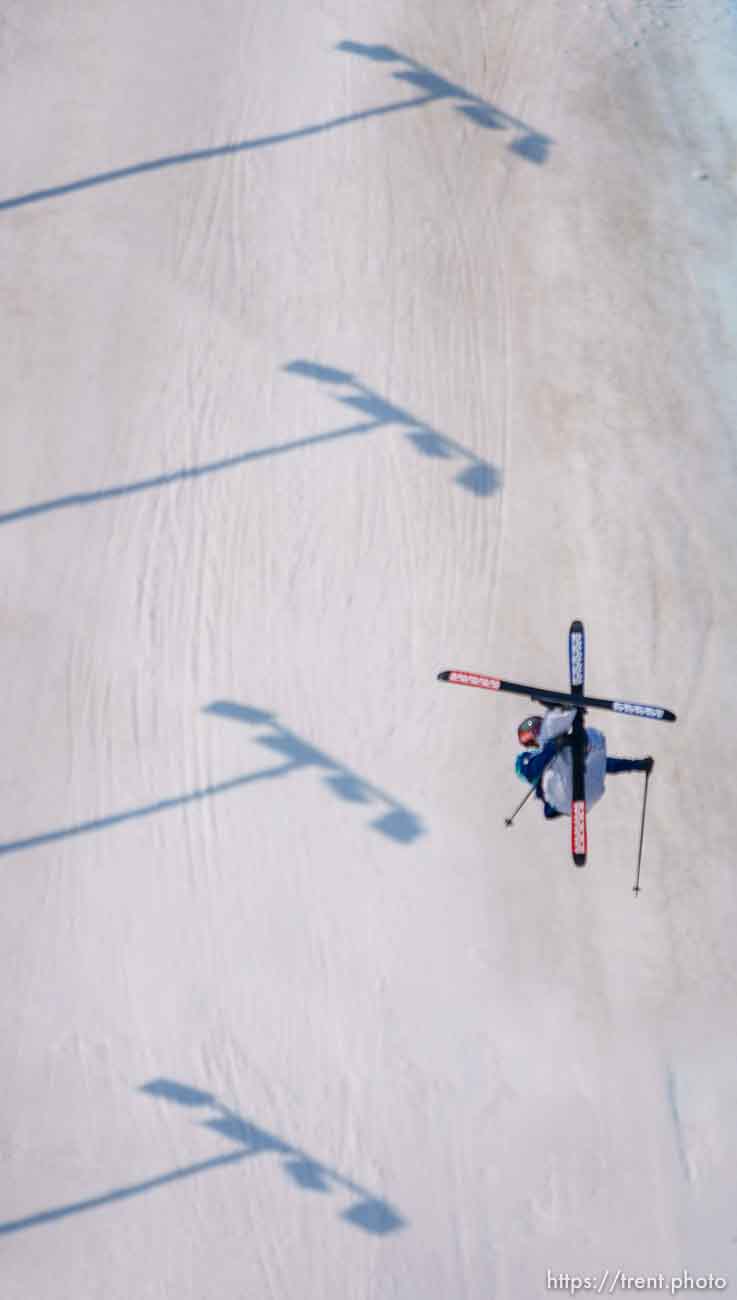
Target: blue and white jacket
column 553, row 768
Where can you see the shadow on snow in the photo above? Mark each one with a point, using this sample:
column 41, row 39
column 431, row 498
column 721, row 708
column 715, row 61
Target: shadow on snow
column 532, row 145
column 478, row 476
column 394, row 820
column 528, row 144
column 368, row 1212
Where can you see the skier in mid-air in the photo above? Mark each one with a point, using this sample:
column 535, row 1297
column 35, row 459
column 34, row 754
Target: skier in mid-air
column 550, row 767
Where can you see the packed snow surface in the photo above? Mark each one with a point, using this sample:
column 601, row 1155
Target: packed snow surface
column 346, row 343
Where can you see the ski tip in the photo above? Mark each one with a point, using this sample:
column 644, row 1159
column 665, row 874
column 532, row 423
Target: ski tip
column 576, row 656
column 444, row 676
column 579, row 843
column 651, row 711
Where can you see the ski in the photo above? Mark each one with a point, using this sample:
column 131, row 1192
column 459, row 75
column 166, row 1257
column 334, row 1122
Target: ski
column 567, row 699
column 576, row 670
column 576, row 657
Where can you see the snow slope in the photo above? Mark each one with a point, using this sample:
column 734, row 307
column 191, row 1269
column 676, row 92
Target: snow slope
column 343, row 344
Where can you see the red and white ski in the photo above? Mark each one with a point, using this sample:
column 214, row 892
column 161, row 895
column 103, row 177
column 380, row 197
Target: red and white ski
column 543, row 695
column 576, row 669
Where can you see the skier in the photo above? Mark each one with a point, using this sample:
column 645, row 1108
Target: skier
column 550, row 768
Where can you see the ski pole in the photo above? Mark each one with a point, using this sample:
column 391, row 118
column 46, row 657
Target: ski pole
column 636, row 886
column 508, row 820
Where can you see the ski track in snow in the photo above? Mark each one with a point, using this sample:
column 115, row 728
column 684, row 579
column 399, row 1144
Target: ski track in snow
column 343, row 348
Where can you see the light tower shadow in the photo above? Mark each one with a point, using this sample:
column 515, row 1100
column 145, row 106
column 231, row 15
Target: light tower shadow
column 477, row 476
column 366, row 1211
column 529, row 144
column 394, row 819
